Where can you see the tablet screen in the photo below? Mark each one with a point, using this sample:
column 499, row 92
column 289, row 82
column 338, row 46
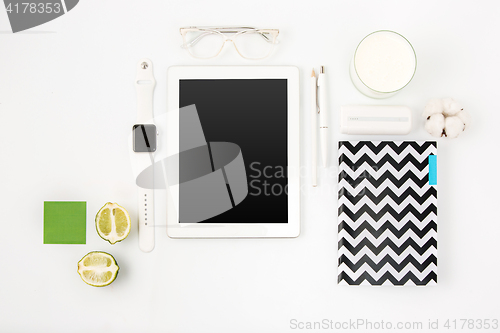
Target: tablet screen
column 233, row 151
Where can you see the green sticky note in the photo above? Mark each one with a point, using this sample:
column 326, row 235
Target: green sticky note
column 64, row 222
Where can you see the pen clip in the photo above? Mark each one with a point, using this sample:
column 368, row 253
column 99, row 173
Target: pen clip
column 317, row 100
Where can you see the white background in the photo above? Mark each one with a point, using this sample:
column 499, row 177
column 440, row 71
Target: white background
column 67, row 102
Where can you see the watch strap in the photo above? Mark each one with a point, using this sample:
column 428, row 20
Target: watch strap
column 146, row 219
column 145, row 84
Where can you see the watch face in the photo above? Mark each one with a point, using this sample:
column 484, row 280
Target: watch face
column 144, row 138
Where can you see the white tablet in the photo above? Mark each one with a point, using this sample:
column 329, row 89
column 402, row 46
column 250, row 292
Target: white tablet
column 233, row 144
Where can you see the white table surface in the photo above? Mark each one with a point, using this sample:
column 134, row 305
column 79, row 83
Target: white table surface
column 67, row 101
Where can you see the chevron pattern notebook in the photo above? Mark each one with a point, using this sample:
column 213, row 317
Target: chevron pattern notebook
column 387, row 231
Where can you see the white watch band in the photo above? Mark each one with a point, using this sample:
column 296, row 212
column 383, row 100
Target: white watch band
column 145, row 84
column 146, row 219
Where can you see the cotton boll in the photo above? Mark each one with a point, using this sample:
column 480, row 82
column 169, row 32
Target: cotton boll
column 451, row 107
column 445, row 117
column 464, row 116
column 435, row 125
column 434, row 106
column 453, row 126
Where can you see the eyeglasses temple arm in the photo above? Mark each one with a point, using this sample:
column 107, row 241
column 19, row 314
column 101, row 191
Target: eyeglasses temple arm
column 197, row 39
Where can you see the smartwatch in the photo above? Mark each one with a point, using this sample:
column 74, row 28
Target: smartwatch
column 144, row 144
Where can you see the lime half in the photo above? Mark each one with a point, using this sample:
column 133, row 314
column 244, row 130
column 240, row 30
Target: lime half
column 112, row 223
column 98, row 269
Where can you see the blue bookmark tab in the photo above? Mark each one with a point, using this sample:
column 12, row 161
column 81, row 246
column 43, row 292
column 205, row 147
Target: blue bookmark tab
column 433, row 179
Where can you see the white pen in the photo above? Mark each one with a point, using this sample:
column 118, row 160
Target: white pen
column 314, row 113
column 323, row 116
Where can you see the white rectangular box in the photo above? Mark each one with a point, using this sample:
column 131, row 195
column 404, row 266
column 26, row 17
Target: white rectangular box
column 375, row 119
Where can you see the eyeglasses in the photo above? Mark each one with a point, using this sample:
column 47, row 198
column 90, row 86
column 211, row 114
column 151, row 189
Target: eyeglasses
column 250, row 43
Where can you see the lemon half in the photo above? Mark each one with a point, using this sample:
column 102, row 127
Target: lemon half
column 98, row 269
column 112, row 223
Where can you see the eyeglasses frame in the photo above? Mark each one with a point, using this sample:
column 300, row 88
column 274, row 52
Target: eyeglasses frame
column 237, row 31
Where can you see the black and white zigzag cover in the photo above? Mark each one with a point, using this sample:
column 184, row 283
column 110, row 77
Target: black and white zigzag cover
column 387, row 232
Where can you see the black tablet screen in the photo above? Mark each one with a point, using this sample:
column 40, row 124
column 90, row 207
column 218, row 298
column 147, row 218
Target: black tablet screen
column 233, row 151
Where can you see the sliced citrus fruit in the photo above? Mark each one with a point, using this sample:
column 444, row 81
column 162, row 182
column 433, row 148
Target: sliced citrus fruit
column 98, row 269
column 112, row 223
